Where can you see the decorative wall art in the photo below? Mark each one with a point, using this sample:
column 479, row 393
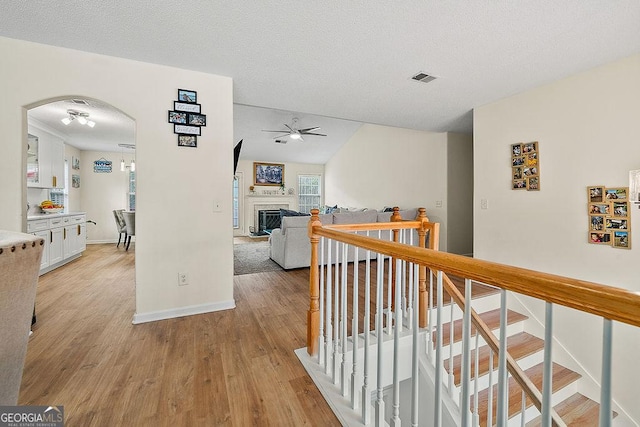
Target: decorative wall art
column 75, row 162
column 268, row 173
column 609, row 221
column 186, row 118
column 102, row 165
column 525, row 166
column 75, row 181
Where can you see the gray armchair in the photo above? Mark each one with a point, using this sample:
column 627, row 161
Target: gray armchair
column 20, row 256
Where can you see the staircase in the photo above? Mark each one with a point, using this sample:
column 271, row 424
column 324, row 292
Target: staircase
column 574, row 408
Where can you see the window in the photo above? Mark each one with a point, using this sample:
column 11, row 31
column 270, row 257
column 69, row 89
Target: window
column 309, row 192
column 236, row 202
column 131, row 195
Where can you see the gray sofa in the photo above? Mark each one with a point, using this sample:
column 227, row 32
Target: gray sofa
column 290, row 246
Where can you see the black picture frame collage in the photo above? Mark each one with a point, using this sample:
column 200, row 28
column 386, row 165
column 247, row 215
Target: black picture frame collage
column 187, row 118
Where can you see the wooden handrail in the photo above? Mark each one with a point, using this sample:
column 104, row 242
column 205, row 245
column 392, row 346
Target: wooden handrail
column 605, row 301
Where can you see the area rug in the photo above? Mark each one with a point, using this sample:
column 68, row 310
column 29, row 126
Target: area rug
column 252, row 258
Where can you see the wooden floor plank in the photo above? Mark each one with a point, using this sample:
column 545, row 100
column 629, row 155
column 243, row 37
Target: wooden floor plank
column 234, row 367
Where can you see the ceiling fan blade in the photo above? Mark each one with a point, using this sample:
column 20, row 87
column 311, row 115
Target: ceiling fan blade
column 311, row 133
column 289, row 127
column 264, row 130
column 280, row 136
column 308, row 129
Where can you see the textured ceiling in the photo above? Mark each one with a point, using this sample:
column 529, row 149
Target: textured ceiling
column 350, row 60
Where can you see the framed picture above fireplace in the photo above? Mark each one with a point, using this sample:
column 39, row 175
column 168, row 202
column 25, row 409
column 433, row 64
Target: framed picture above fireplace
column 268, row 173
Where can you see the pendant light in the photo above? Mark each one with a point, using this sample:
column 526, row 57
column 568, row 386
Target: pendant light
column 122, row 168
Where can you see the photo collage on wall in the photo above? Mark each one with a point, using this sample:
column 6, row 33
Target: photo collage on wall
column 187, row 118
column 609, row 217
column 525, row 166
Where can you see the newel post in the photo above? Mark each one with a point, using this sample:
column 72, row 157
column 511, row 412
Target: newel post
column 423, row 295
column 395, row 217
column 313, row 315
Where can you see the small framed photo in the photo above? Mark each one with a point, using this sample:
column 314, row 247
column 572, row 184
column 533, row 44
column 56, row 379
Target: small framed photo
column 187, row 107
column 531, row 159
column 268, row 173
column 516, row 150
column 533, row 183
column 519, row 184
column 621, row 239
column 186, row 130
column 617, row 194
column 621, row 209
column 75, row 181
column 517, row 173
column 189, row 96
column 517, row 161
column 197, row 119
column 617, row 224
column 531, row 171
column 596, row 194
column 187, row 141
column 179, row 117
column 530, row 147
column 596, row 223
column 599, row 209
column 600, row 238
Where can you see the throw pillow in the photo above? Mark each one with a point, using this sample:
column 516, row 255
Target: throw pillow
column 287, row 212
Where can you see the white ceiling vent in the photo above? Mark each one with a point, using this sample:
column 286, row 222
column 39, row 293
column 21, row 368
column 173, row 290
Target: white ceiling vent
column 423, row 77
column 281, row 141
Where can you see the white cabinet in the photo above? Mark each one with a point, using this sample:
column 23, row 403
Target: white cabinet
column 45, row 160
column 65, row 239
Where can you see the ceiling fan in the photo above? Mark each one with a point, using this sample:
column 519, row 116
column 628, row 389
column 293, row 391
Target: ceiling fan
column 294, row 133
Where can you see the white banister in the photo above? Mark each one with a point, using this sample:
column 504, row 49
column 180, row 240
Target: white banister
column 605, row 380
column 366, row 393
column 379, row 336
column 354, row 332
column 336, row 316
column 329, row 328
column 465, row 371
column 321, row 341
column 502, row 408
column 344, row 321
column 547, row 369
column 437, row 413
column 395, row 414
column 415, row 354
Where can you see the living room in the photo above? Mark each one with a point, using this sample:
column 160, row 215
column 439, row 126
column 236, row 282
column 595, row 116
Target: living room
column 580, row 116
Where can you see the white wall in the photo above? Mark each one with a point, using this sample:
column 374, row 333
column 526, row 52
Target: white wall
column 385, row 166
column 101, row 193
column 177, row 229
column 291, row 172
column 588, row 127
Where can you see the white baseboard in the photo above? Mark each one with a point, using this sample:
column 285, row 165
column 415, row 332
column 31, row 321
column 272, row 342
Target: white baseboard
column 182, row 311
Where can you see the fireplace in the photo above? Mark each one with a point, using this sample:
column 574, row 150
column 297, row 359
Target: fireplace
column 268, row 219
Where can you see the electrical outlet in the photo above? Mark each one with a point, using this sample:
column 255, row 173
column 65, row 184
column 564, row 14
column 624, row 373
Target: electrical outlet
column 438, row 203
column 182, row 279
column 484, row 204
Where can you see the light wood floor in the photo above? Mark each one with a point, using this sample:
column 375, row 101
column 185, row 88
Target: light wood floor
column 234, row 367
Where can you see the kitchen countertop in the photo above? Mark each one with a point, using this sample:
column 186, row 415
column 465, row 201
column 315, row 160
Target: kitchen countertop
column 52, row 215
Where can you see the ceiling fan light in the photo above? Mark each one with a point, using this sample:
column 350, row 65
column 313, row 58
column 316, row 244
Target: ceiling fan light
column 295, row 136
column 82, row 120
column 66, row 121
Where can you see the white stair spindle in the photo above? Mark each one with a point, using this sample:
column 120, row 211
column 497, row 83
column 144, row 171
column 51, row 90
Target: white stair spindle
column 430, row 317
column 605, row 387
column 501, row 410
column 476, row 416
column 547, row 370
column 366, row 413
column 451, row 378
column 415, row 380
column 437, row 413
column 343, row 322
column 395, row 418
column 389, row 287
column 523, row 408
column 354, row 332
column 379, row 333
column 321, row 349
column 336, row 316
column 465, row 375
column 490, row 398
column 329, row 329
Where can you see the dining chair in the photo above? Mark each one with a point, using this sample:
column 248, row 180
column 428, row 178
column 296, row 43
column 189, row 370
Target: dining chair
column 120, row 225
column 130, row 222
